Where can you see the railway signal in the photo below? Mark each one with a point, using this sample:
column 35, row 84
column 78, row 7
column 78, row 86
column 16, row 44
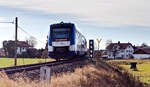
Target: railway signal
column 91, row 49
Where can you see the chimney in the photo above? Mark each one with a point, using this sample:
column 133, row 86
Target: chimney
column 118, row 42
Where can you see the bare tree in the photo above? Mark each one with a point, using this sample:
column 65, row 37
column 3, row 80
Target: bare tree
column 115, row 50
column 9, row 48
column 31, row 41
column 108, row 42
column 45, row 52
column 144, row 44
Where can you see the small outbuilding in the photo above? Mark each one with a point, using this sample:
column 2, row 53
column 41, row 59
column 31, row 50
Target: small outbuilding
column 142, row 53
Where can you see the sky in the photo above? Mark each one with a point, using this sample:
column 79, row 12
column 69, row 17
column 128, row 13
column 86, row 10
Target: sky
column 116, row 20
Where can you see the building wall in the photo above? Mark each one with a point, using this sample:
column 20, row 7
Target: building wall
column 110, row 54
column 141, row 56
column 128, row 52
column 21, row 50
column 123, row 53
column 2, row 53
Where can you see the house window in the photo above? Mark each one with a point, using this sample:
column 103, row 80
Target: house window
column 109, row 55
column 122, row 56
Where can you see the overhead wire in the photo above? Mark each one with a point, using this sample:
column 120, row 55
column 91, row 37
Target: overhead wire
column 25, row 32
column 30, row 34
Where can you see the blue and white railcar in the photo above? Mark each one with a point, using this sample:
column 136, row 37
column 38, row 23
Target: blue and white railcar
column 65, row 41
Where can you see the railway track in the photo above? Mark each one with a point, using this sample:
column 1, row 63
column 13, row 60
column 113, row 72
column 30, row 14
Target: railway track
column 29, row 67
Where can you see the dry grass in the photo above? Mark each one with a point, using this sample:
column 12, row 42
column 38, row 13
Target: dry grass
column 88, row 76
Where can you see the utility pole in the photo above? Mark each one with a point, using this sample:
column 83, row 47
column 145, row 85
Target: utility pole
column 16, row 32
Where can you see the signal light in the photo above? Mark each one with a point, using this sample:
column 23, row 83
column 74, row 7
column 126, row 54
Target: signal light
column 91, row 48
column 91, row 56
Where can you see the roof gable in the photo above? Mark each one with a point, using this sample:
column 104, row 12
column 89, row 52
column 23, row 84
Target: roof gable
column 22, row 44
column 19, row 43
column 121, row 45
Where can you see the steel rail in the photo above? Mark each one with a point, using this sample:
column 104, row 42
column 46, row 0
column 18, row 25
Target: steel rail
column 29, row 67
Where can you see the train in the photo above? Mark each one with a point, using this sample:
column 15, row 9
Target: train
column 66, row 42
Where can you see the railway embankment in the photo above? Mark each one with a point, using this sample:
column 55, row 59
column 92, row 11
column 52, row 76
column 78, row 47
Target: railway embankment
column 55, row 70
column 87, row 75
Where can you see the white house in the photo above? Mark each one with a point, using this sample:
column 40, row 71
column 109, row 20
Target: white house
column 141, row 53
column 22, row 46
column 120, row 50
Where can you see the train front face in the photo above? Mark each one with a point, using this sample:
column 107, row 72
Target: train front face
column 61, row 41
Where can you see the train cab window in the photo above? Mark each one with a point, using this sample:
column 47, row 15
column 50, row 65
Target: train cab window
column 61, row 34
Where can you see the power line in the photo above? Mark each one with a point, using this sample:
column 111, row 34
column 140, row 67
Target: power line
column 30, row 34
column 25, row 31
column 8, row 22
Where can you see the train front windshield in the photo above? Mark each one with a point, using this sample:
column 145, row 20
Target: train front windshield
column 61, row 34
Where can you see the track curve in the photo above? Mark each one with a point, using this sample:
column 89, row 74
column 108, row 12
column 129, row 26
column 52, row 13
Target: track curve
column 29, row 67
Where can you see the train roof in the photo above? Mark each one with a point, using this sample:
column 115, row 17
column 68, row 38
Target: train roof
column 62, row 24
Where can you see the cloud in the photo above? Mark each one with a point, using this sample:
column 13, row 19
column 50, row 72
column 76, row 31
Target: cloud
column 2, row 19
column 103, row 12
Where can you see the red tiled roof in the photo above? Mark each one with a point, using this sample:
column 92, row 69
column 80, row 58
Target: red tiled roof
column 19, row 43
column 121, row 45
column 22, row 44
column 144, row 50
column 141, row 47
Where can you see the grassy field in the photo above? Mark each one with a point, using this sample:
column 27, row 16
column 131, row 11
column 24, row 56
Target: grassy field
column 7, row 62
column 143, row 68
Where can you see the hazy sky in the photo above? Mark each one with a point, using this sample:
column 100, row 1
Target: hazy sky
column 118, row 20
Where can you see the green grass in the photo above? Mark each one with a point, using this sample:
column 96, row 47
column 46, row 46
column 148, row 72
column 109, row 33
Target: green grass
column 7, row 62
column 143, row 68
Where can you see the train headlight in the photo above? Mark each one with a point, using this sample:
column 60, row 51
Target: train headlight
column 72, row 48
column 50, row 48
